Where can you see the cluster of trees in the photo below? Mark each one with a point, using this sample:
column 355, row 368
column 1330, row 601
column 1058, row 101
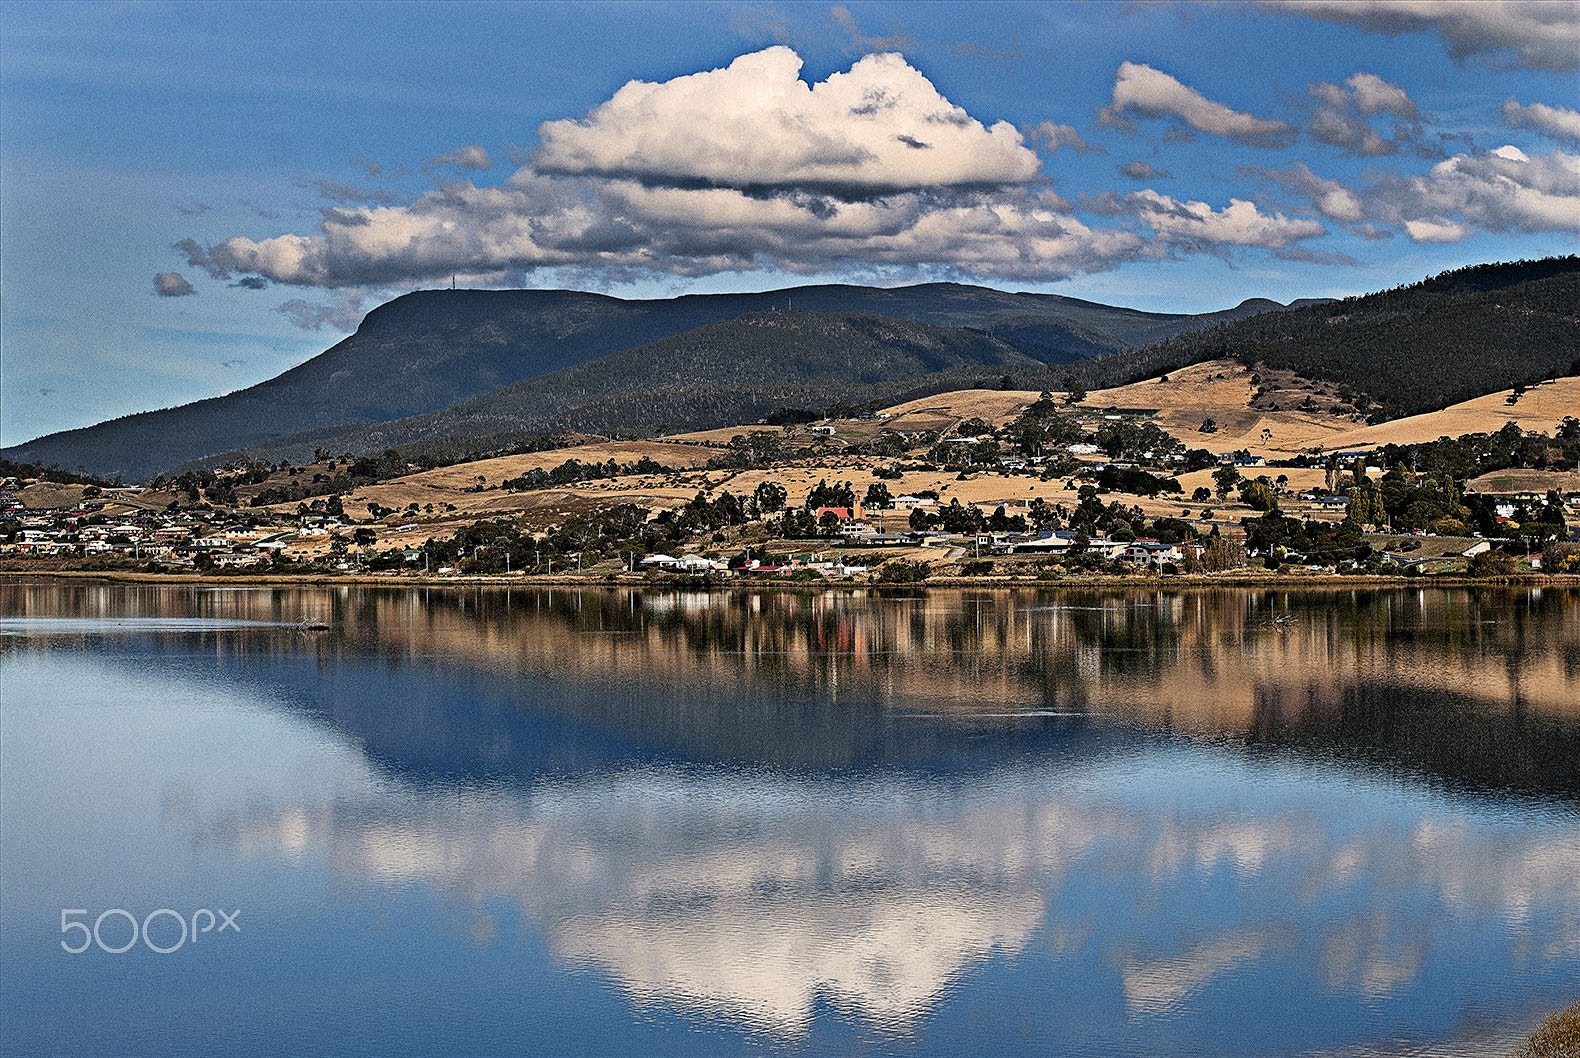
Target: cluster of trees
column 1136, row 481
column 1471, row 454
column 12, row 469
column 573, row 470
column 754, row 449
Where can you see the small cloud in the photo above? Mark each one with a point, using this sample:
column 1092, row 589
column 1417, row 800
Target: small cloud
column 1438, row 230
column 172, row 285
column 369, row 166
column 251, row 283
column 46, row 392
column 231, row 363
column 1560, row 123
column 1144, row 171
column 472, row 156
column 1140, row 89
column 859, row 41
column 191, row 209
column 338, row 192
column 1052, row 136
column 982, row 51
column 342, row 315
column 1306, row 255
column 1344, row 118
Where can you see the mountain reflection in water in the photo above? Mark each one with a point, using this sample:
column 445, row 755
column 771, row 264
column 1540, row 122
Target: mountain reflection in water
column 1066, row 823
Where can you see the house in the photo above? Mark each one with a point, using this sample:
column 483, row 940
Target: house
column 1081, row 449
column 844, row 514
column 824, row 431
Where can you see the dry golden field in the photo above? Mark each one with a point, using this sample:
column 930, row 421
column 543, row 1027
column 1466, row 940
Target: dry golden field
column 1221, row 390
column 1541, row 408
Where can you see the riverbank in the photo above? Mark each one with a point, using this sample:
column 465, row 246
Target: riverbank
column 1240, row 579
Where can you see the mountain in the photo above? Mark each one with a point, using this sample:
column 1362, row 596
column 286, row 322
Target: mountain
column 728, row 372
column 433, row 349
column 1409, row 350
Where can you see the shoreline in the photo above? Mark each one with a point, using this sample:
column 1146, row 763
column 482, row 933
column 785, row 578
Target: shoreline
column 1181, row 581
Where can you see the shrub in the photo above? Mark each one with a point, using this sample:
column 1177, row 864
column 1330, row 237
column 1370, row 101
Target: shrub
column 1561, row 558
column 1493, row 564
column 904, row 571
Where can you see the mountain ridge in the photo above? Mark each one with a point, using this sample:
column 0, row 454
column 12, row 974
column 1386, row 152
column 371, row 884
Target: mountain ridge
column 432, row 349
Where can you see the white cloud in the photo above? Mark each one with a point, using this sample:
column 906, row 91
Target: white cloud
column 1499, row 190
column 1439, row 230
column 1373, row 95
column 1561, row 123
column 1196, row 226
column 1331, row 198
column 749, row 168
column 879, row 128
column 1534, row 33
column 1343, row 120
column 1152, row 93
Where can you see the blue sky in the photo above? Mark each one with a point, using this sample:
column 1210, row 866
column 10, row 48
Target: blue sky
column 195, row 197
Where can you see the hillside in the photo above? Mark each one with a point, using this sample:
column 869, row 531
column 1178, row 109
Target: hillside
column 436, row 348
column 729, row 372
column 1408, row 350
column 1540, row 408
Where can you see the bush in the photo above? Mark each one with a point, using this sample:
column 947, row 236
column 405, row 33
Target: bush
column 904, row 571
column 1561, row 558
column 1493, row 564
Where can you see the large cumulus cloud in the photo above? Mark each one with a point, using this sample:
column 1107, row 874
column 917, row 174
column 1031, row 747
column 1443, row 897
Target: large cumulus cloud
column 880, row 128
column 744, row 167
column 871, row 172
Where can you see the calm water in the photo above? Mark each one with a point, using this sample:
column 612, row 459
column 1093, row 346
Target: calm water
column 1234, row 823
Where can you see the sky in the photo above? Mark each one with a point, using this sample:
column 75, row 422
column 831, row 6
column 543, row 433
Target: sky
column 195, row 197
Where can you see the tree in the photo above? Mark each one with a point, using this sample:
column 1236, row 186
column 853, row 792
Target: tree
column 770, row 497
column 1224, row 480
column 878, row 496
column 363, row 537
column 1074, row 391
column 1258, row 495
column 1208, row 425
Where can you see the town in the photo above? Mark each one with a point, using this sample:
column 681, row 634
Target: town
column 997, row 485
